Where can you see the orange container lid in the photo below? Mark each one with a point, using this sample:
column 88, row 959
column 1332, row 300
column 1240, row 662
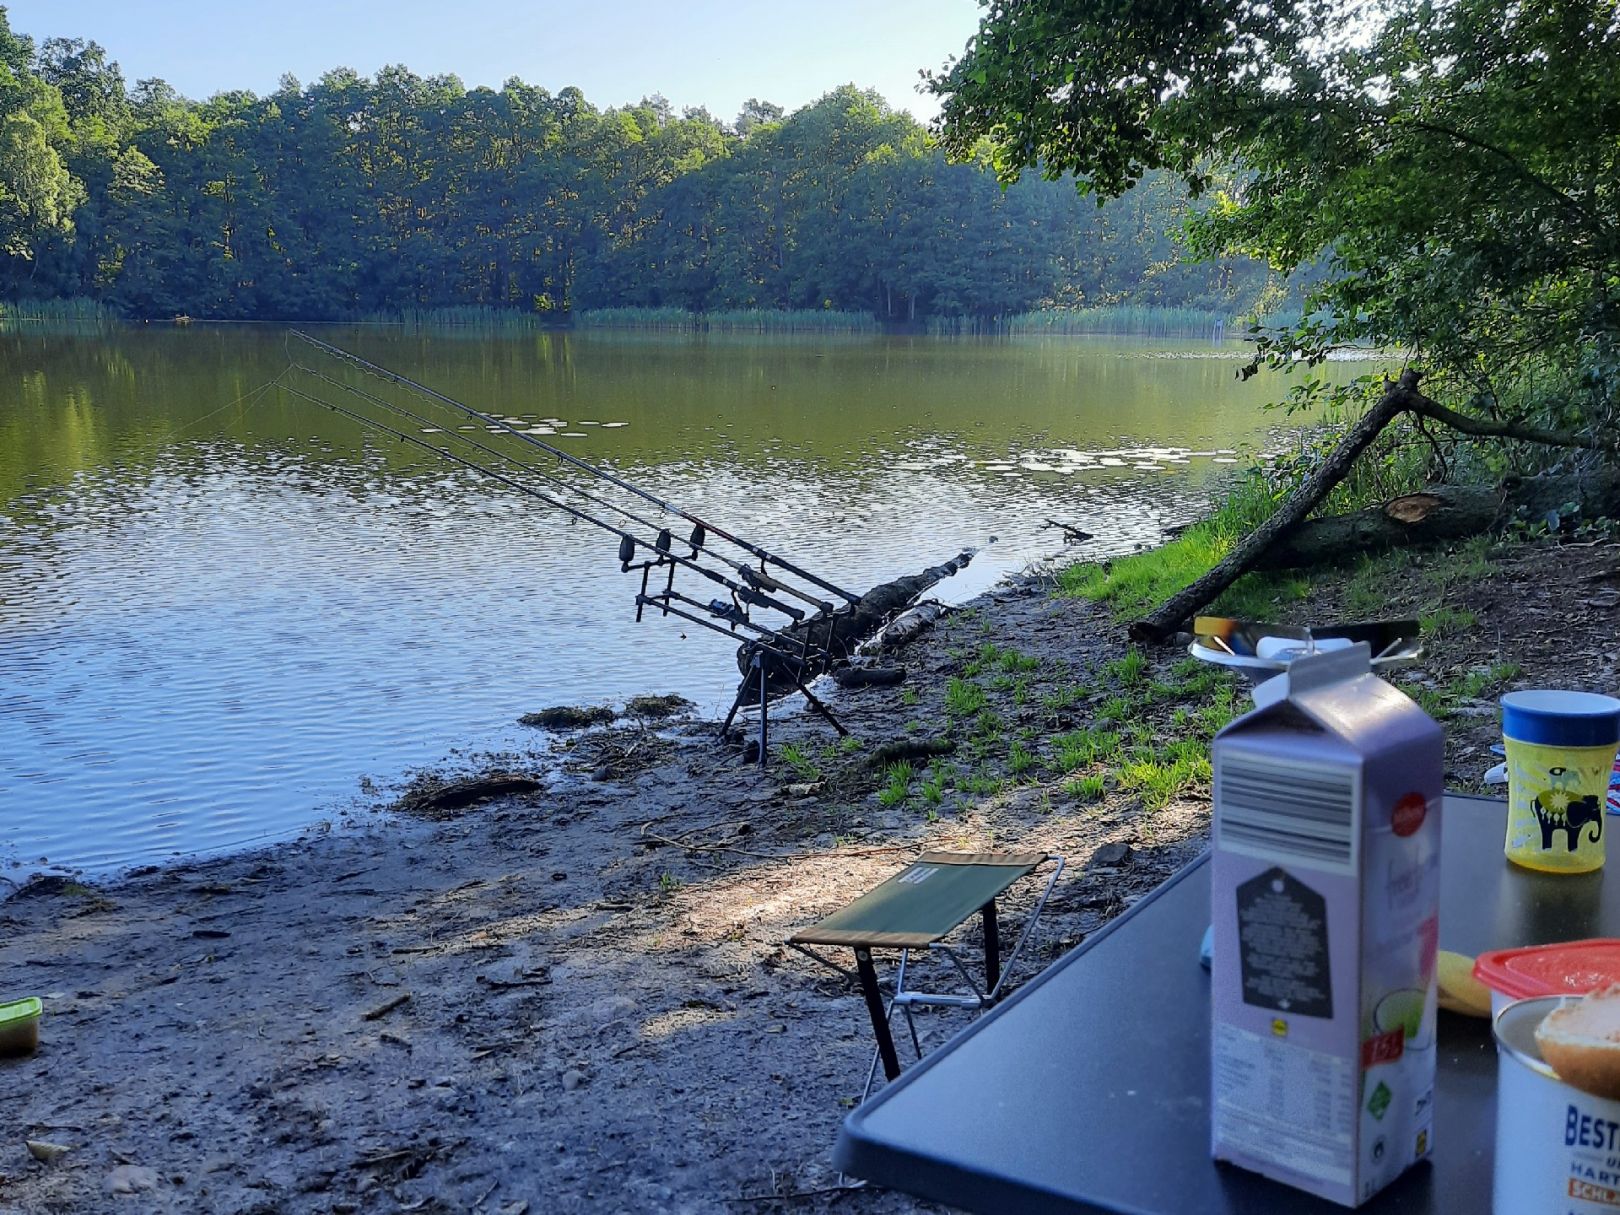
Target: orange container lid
column 1568, row 967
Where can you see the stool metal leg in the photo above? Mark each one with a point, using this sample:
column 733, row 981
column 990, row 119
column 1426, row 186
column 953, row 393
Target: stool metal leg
column 992, row 947
column 874, row 1006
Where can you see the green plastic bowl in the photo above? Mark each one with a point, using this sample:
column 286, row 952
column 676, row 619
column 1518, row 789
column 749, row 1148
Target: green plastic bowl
column 19, row 1027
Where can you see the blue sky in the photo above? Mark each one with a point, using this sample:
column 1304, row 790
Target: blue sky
column 696, row 53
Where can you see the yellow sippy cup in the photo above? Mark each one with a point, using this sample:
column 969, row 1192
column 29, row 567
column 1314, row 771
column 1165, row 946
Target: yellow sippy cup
column 1560, row 751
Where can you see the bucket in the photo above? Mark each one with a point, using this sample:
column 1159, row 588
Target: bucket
column 1557, row 1148
column 19, row 1027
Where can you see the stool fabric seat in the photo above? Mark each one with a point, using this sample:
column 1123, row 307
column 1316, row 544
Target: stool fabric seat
column 923, row 902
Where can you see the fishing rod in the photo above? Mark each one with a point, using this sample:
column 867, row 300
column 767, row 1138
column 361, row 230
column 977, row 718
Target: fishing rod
column 754, row 580
column 396, row 407
column 627, row 540
column 698, row 536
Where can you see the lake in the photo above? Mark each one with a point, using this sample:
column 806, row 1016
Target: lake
column 222, row 606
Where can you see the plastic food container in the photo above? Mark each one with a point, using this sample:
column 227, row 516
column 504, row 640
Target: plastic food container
column 19, row 1027
column 1570, row 968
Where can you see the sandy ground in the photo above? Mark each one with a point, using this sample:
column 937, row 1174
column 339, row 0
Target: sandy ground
column 578, row 1000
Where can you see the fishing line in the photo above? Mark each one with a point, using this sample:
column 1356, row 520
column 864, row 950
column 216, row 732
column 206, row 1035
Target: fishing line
column 395, row 407
column 384, row 373
column 753, row 580
column 250, row 396
column 747, row 594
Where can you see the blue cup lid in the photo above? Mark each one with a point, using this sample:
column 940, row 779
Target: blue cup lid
column 1561, row 719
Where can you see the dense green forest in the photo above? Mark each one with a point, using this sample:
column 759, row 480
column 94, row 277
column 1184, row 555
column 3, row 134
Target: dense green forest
column 354, row 197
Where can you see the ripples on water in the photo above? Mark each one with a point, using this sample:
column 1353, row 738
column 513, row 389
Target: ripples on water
column 213, row 645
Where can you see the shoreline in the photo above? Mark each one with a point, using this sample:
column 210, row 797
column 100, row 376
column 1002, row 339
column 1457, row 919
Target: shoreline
column 579, row 1000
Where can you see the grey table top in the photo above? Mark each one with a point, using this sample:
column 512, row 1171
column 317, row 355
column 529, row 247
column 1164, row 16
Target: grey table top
column 1067, row 1098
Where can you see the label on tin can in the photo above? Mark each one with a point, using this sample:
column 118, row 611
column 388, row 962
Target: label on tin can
column 1557, row 1148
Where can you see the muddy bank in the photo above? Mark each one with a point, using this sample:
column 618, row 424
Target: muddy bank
column 576, row 999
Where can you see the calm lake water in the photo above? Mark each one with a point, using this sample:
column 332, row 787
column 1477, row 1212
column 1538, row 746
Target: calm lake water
column 221, row 608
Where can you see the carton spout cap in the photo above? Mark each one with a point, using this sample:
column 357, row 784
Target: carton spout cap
column 1315, row 671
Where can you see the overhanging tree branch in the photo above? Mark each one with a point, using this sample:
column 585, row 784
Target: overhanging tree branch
column 1485, row 429
column 1401, row 396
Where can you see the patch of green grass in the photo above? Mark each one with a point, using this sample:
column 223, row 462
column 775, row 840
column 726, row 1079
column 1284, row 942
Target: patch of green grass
column 1176, row 769
column 1082, row 748
column 1128, row 670
column 1064, row 696
column 1470, row 561
column 963, row 698
column 1159, row 691
column 898, row 788
column 909, row 696
column 1441, row 703
column 1446, row 621
column 1116, row 708
column 982, row 785
column 1476, row 683
column 1020, row 691
column 1261, row 596
column 1020, row 759
column 933, row 789
column 1432, row 701
column 1012, row 662
column 1366, row 591
column 1203, row 682
column 987, row 656
column 803, row 766
column 1134, row 585
column 668, row 883
column 849, row 744
column 1213, row 717
column 1085, row 788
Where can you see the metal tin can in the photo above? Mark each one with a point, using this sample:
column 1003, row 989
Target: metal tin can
column 1557, row 1148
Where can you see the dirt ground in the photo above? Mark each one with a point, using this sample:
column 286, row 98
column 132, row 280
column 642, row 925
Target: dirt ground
column 577, row 999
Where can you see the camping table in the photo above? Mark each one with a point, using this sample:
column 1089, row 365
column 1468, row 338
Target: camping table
column 1087, row 1091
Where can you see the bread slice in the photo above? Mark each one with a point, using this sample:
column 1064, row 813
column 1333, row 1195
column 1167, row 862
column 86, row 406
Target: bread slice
column 1581, row 1042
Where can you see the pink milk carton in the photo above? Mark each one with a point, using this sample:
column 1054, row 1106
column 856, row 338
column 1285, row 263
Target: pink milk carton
column 1326, row 889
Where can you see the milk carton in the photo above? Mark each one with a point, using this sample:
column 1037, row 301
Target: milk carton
column 1326, row 889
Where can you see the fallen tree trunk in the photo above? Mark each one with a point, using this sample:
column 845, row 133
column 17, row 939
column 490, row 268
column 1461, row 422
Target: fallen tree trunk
column 1400, row 396
column 1169, row 616
column 1440, row 513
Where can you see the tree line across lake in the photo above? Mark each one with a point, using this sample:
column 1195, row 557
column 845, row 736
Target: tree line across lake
column 356, row 197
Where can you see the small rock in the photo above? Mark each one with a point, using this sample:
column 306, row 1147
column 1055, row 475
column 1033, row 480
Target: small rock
column 46, row 1153
column 572, row 1079
column 131, row 1179
column 1112, row 854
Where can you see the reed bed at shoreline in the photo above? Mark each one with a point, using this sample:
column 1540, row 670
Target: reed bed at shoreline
column 731, row 320
column 57, row 312
column 1117, row 320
